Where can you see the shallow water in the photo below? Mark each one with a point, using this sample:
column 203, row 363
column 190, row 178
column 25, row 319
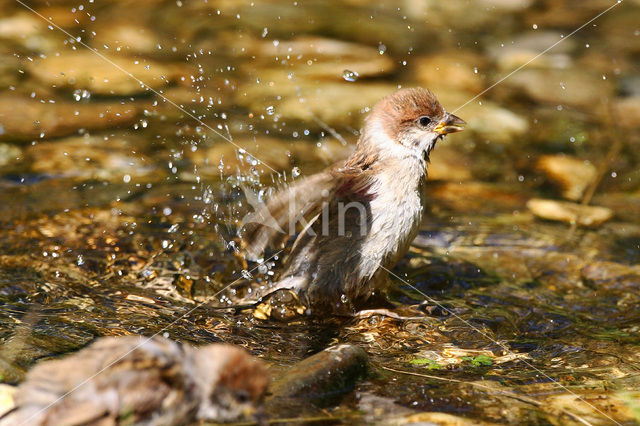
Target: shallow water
column 120, row 204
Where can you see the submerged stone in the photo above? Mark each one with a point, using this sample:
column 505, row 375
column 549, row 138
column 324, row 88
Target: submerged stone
column 563, row 211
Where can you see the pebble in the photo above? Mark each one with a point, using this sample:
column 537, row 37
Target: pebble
column 23, row 118
column 571, row 174
column 83, row 69
column 564, row 211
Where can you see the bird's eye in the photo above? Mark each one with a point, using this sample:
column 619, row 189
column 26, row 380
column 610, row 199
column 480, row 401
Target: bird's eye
column 242, row 396
column 424, row 121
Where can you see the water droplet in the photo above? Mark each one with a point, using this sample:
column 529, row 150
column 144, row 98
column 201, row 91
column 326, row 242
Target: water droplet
column 350, row 75
column 295, row 172
column 382, row 48
column 270, row 110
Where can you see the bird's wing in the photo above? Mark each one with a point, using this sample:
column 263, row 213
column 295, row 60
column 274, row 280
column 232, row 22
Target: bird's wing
column 278, row 218
column 105, row 382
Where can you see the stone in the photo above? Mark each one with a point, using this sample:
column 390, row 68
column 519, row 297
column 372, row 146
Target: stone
column 89, row 157
column 319, row 378
column 444, row 71
column 333, row 102
column 574, row 87
column 9, row 154
column 628, row 112
column 494, row 123
column 314, row 57
column 23, row 118
column 571, row 174
column 84, row 69
column 126, row 39
column 523, row 49
column 563, row 211
column 20, row 26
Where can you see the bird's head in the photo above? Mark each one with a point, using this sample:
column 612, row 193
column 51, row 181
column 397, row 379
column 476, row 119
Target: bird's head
column 409, row 122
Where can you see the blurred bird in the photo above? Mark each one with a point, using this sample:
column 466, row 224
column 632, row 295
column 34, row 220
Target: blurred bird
column 136, row 380
column 364, row 211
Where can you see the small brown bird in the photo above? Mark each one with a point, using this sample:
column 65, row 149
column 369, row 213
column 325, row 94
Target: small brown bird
column 133, row 379
column 364, row 212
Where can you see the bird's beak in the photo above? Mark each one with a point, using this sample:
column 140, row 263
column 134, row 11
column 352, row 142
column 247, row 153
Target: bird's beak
column 450, row 124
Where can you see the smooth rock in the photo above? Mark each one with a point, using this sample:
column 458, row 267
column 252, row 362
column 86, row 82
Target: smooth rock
column 506, row 5
column 523, row 49
column 314, row 57
column 9, row 154
column 279, row 154
column 570, row 87
column 83, row 69
column 321, row 377
column 335, row 103
column 125, row 38
column 24, row 118
column 494, row 123
column 444, row 71
column 20, row 26
column 628, row 112
column 563, row 211
column 89, row 157
column 571, row 174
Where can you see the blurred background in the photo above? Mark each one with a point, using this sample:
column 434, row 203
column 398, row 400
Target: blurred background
column 127, row 129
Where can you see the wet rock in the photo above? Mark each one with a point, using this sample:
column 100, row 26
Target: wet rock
column 89, row 157
column 24, row 118
column 479, row 197
column 523, row 49
column 321, row 377
column 506, row 5
column 563, row 211
column 439, row 419
column 571, row 174
column 444, row 71
column 83, row 69
column 494, row 123
column 611, row 275
column 335, row 103
column 20, row 26
column 228, row 159
column 127, row 39
column 315, row 57
column 26, row 30
column 628, row 112
column 563, row 87
column 9, row 154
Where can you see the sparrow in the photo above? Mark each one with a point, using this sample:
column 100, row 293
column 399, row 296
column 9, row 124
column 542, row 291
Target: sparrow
column 139, row 380
column 364, row 211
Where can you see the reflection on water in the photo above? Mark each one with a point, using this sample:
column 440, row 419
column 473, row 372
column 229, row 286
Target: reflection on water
column 119, row 210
